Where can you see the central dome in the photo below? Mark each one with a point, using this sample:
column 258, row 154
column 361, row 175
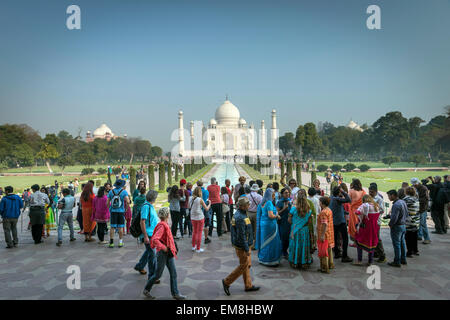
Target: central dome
column 227, row 113
column 102, row 131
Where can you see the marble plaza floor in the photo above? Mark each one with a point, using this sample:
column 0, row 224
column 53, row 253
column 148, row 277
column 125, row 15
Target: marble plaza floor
column 39, row 272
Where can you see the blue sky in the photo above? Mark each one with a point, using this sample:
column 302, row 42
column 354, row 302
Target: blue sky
column 134, row 64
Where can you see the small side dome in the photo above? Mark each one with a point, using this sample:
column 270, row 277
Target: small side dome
column 242, row 121
column 212, row 122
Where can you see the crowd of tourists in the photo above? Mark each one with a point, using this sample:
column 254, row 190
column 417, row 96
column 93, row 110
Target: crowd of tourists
column 280, row 220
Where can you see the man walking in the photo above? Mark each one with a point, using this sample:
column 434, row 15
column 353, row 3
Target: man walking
column 422, row 192
column 255, row 199
column 216, row 207
column 149, row 220
column 38, row 200
column 399, row 212
column 117, row 198
column 66, row 206
column 242, row 240
column 10, row 206
column 338, row 198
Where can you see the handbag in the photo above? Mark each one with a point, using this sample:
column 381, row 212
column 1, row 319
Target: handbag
column 225, row 208
column 322, row 246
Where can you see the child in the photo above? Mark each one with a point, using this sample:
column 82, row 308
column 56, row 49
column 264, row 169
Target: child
column 325, row 235
column 66, row 205
column 242, row 240
column 166, row 253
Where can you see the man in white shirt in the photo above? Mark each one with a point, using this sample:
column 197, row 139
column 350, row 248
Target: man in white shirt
column 255, row 199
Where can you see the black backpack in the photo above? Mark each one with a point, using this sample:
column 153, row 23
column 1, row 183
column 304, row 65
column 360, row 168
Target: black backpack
column 135, row 228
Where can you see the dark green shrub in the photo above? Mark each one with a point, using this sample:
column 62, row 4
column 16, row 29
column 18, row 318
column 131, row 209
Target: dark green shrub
column 101, row 171
column 87, row 171
column 336, row 167
column 364, row 167
column 322, row 168
column 349, row 167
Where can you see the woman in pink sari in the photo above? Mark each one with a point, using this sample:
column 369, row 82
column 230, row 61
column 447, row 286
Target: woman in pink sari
column 366, row 236
column 356, row 194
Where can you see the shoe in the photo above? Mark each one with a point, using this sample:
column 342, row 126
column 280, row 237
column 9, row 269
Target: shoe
column 73, row 239
column 404, row 262
column 409, row 255
column 253, row 288
column 9, row 247
column 419, row 239
column 194, row 248
column 148, row 295
column 200, row 250
column 207, row 240
column 346, row 259
column 157, row 281
column 226, row 288
column 140, row 271
column 337, row 257
column 357, row 263
column 59, row 243
column 382, row 260
column 120, row 244
column 111, row 245
column 179, row 297
column 416, row 254
column 104, row 242
column 426, row 242
column 392, row 264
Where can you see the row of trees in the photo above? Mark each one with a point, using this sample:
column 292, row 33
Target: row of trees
column 392, row 135
column 21, row 146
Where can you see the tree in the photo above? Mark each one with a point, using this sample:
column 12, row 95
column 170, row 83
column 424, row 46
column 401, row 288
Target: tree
column 282, row 167
column 132, row 172
column 298, row 173
column 162, row 176
column 287, row 143
column 23, row 155
column 64, row 162
column 151, row 176
column 143, row 149
column 418, row 159
column 308, row 140
column 335, row 167
column 290, row 169
column 169, row 172
column 47, row 153
column 349, row 167
column 177, row 172
column 156, row 152
column 390, row 160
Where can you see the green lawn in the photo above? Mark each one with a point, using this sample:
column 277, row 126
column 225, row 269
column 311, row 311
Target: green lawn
column 379, row 164
column 77, row 168
column 19, row 183
column 390, row 179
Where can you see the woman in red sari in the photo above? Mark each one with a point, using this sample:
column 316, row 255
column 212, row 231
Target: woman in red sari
column 86, row 200
column 356, row 194
column 366, row 236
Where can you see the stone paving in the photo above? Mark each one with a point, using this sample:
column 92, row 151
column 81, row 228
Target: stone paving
column 39, row 272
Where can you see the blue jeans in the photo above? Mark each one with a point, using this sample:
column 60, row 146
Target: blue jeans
column 63, row 218
column 147, row 258
column 163, row 260
column 423, row 228
column 398, row 241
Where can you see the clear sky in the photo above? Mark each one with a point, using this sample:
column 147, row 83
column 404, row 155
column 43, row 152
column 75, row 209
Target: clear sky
column 135, row 63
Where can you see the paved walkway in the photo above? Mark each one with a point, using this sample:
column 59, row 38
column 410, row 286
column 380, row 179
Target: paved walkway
column 39, row 272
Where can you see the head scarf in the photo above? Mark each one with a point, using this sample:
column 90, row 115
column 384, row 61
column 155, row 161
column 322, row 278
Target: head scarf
column 267, row 196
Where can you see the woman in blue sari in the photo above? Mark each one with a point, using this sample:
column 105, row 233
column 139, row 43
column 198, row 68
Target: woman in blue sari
column 300, row 238
column 268, row 242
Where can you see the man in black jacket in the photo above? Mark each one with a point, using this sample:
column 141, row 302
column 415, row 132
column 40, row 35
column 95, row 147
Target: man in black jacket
column 242, row 240
column 436, row 214
column 442, row 205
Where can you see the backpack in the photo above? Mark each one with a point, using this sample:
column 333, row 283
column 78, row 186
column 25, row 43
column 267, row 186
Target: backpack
column 135, row 228
column 116, row 202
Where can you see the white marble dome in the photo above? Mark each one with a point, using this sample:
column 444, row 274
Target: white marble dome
column 102, row 131
column 212, row 122
column 227, row 113
column 242, row 121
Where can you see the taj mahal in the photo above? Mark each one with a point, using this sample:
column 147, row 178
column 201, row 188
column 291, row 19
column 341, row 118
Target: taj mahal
column 227, row 136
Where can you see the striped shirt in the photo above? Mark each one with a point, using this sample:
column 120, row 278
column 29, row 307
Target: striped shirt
column 413, row 219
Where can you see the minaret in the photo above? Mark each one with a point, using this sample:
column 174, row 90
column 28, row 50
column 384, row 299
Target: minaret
column 180, row 133
column 192, row 137
column 263, row 138
column 273, row 133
